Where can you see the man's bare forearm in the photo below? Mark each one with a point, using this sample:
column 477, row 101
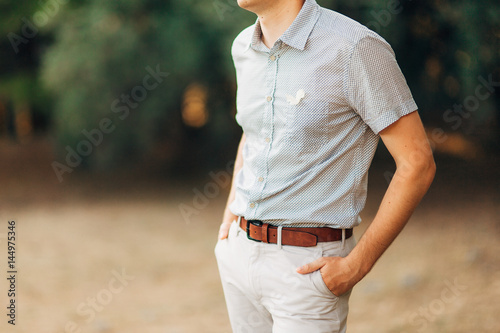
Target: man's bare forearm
column 415, row 168
column 406, row 190
column 238, row 164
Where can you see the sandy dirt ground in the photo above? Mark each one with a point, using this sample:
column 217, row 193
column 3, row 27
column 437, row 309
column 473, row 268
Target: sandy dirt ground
column 114, row 254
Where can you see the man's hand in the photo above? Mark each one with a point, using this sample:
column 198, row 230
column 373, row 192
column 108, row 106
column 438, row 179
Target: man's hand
column 224, row 229
column 226, row 223
column 229, row 217
column 339, row 274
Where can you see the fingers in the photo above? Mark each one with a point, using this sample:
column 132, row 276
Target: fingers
column 312, row 266
column 224, row 230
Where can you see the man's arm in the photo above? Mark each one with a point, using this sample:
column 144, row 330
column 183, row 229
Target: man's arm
column 415, row 168
column 228, row 216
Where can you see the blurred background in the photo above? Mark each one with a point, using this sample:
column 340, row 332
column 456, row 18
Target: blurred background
column 117, row 134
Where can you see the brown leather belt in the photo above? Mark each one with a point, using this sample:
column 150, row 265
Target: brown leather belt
column 305, row 237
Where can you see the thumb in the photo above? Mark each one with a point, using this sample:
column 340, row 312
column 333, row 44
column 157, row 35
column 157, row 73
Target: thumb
column 311, row 267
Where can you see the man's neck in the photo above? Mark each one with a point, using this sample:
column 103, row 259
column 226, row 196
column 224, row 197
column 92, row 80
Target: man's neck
column 276, row 18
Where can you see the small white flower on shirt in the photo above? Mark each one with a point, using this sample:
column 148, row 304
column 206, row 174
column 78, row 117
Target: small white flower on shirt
column 295, row 100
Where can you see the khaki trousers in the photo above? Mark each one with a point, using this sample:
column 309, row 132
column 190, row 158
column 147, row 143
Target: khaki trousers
column 264, row 293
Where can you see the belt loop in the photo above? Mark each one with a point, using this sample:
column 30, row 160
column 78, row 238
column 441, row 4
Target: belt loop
column 343, row 238
column 280, row 228
column 238, row 223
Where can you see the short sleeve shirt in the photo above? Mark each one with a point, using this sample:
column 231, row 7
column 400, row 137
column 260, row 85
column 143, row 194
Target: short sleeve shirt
column 311, row 108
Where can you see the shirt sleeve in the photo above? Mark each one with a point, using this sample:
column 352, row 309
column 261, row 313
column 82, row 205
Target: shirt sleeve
column 375, row 87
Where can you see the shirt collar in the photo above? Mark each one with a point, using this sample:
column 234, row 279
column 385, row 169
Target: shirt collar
column 297, row 33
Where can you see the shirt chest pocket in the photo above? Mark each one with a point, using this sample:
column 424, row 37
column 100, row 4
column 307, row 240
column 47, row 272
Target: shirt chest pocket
column 308, row 125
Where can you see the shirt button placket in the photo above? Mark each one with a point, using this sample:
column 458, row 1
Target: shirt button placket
column 268, row 134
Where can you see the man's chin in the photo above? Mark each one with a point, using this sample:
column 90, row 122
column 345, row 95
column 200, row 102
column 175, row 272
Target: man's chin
column 249, row 5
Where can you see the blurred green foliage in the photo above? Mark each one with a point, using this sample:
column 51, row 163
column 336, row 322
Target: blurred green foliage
column 442, row 47
column 100, row 54
column 91, row 53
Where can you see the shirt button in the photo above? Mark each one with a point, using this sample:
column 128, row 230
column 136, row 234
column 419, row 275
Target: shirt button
column 261, row 179
column 269, row 98
column 252, row 205
column 268, row 139
column 272, row 58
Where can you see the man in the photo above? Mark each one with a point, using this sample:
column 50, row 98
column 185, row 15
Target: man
column 316, row 90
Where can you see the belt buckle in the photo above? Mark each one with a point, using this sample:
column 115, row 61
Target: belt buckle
column 255, row 223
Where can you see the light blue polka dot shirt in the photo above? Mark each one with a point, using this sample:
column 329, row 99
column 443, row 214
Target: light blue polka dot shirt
column 311, row 108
